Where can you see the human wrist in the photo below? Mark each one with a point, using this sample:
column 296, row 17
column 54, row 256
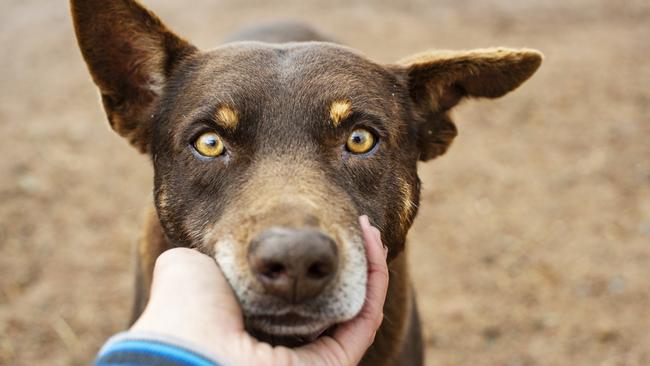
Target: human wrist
column 150, row 347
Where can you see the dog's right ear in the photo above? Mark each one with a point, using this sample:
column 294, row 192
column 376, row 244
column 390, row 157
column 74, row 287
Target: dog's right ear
column 130, row 54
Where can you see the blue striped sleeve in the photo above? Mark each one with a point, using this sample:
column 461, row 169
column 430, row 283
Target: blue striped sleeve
column 130, row 351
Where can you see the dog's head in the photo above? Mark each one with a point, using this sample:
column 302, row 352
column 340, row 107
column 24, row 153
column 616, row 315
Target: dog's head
column 266, row 154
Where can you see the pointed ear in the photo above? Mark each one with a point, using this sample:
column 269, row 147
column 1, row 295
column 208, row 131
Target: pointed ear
column 439, row 80
column 130, row 55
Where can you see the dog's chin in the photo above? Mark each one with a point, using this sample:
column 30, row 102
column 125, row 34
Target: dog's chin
column 289, row 330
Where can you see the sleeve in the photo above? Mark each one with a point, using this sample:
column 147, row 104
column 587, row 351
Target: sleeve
column 143, row 349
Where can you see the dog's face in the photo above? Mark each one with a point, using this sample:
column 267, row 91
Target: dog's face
column 265, row 155
column 264, row 145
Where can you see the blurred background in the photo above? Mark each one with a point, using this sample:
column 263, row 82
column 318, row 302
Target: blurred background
column 532, row 246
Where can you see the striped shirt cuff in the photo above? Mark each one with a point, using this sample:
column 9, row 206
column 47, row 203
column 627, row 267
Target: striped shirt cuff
column 144, row 349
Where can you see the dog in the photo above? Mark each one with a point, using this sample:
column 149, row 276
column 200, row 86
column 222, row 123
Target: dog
column 267, row 148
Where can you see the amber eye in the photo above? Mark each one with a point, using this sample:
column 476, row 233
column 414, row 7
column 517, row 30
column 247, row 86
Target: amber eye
column 360, row 141
column 209, row 144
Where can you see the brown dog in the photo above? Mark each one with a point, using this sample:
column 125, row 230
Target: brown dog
column 266, row 153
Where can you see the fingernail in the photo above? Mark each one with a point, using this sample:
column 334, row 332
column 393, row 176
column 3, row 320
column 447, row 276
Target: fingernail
column 363, row 220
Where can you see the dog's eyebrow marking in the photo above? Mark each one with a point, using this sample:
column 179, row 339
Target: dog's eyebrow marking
column 339, row 111
column 227, row 117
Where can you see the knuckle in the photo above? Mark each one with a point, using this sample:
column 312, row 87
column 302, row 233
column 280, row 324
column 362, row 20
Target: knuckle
column 379, row 320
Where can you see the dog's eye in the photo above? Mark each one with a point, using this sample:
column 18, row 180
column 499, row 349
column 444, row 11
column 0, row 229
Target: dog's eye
column 209, row 144
column 360, row 141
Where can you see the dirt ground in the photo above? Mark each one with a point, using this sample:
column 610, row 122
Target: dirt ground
column 532, row 246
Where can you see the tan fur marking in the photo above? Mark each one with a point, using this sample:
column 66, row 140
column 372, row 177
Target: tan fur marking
column 163, row 197
column 408, row 207
column 227, row 117
column 500, row 55
column 339, row 111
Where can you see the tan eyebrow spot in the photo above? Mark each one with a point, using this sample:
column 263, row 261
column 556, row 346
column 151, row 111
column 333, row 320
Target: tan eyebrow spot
column 227, row 117
column 339, row 111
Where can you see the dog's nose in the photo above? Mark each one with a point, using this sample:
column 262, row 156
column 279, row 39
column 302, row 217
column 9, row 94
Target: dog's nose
column 293, row 264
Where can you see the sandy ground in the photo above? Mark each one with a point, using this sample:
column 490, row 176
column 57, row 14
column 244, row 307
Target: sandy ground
column 532, row 246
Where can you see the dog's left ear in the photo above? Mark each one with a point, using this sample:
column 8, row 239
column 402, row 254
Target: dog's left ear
column 130, row 55
column 439, row 80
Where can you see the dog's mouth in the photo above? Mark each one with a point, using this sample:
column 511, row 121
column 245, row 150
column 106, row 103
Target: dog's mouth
column 272, row 316
column 290, row 329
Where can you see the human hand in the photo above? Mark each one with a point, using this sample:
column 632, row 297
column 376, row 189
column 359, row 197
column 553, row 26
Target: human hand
column 192, row 301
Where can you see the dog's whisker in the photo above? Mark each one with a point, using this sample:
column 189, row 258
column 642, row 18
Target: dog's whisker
column 388, row 320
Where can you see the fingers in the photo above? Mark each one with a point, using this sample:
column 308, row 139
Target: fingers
column 351, row 339
column 372, row 241
column 190, row 299
column 182, row 265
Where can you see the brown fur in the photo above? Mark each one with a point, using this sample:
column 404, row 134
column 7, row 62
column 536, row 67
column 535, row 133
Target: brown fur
column 151, row 244
column 441, row 79
column 285, row 131
column 139, row 46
